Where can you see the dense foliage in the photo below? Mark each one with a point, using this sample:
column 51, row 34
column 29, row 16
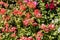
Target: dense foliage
column 29, row 19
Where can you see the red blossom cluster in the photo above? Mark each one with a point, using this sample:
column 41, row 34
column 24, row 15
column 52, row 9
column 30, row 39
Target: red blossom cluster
column 17, row 12
column 26, row 38
column 28, row 22
column 28, row 17
column 7, row 29
column 37, row 13
column 49, row 28
column 50, row 6
column 31, row 5
column 6, row 17
column 2, row 11
column 38, row 36
column 4, row 4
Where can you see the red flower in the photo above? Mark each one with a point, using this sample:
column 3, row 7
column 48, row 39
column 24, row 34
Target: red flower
column 39, row 16
column 13, row 35
column 43, row 26
column 38, row 38
column 1, row 3
column 24, row 38
column 28, row 15
column 3, row 29
column 7, row 30
column 17, row 12
column 31, row 4
column 46, row 30
column 22, row 7
column 19, row 2
column 6, row 17
column 6, row 25
column 51, row 26
column 47, row 6
column 2, row 11
column 5, row 4
column 30, row 38
column 39, row 34
column 37, row 13
column 13, row 29
column 52, row 6
column 34, row 24
column 26, row 22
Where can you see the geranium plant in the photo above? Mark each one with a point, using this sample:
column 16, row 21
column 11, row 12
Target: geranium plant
column 29, row 19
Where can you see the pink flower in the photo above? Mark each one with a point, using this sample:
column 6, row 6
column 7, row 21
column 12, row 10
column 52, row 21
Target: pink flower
column 2, row 11
column 6, row 25
column 24, row 38
column 7, row 30
column 17, row 12
column 1, row 3
column 13, row 29
column 3, row 29
column 38, row 38
column 19, row 2
column 35, row 3
column 39, row 34
column 5, row 4
column 26, row 22
column 46, row 30
column 43, row 26
column 28, row 15
column 22, row 7
column 31, row 4
column 51, row 26
column 13, row 35
column 6, row 17
column 37, row 13
column 34, row 24
column 30, row 38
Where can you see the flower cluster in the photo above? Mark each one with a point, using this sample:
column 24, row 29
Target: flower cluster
column 29, row 19
column 47, row 29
